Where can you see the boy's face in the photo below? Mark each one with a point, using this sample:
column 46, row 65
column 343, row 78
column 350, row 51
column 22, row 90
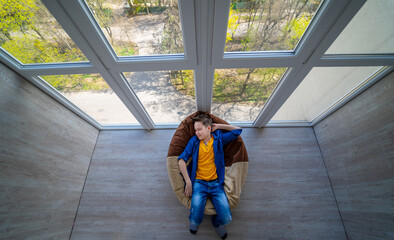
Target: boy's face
column 202, row 131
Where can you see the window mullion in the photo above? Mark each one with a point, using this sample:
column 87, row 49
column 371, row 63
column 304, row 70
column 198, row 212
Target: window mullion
column 204, row 72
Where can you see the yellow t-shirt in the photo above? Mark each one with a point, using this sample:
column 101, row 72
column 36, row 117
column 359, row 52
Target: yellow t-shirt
column 206, row 168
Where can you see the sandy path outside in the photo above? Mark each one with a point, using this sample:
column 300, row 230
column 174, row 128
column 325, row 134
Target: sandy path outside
column 161, row 100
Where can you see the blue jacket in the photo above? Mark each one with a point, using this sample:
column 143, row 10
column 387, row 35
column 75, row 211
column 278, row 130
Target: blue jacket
column 219, row 140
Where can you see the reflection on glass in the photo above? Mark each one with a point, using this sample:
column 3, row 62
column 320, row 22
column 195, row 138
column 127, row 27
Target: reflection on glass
column 320, row 89
column 240, row 94
column 168, row 96
column 31, row 34
column 268, row 25
column 140, row 27
column 93, row 95
column 370, row 31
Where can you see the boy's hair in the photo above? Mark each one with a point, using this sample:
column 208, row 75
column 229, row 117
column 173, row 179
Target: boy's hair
column 205, row 119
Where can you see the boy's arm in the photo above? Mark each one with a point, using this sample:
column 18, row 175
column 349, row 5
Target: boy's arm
column 187, row 152
column 188, row 188
column 182, row 159
column 216, row 126
column 234, row 131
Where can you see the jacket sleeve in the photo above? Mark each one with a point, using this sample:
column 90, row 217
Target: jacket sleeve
column 187, row 152
column 231, row 135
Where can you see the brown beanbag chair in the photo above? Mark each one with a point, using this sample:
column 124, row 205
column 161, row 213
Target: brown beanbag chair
column 235, row 157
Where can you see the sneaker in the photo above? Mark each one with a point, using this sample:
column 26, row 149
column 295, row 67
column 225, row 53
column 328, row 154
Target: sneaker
column 193, row 228
column 222, row 232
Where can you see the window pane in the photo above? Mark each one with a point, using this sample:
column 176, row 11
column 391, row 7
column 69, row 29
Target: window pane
column 320, row 89
column 93, row 95
column 168, row 96
column 240, row 94
column 370, row 31
column 140, row 27
column 268, row 25
column 32, row 35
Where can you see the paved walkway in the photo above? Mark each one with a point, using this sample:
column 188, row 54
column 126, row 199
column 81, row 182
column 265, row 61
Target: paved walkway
column 144, row 30
column 160, row 98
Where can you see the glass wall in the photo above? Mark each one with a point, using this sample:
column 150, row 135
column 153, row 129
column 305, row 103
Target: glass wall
column 370, row 31
column 268, row 25
column 140, row 27
column 32, row 35
column 92, row 94
column 321, row 88
column 240, row 94
column 168, row 96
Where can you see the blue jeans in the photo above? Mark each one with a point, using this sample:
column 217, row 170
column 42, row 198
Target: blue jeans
column 203, row 189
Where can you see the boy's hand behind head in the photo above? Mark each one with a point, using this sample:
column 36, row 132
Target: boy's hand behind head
column 214, row 127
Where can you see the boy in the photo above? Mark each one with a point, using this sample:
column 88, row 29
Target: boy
column 207, row 172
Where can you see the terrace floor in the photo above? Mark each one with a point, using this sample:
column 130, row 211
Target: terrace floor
column 287, row 193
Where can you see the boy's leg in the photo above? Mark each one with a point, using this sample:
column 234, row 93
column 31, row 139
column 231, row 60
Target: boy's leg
column 222, row 206
column 199, row 199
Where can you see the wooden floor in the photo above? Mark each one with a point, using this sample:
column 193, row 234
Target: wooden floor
column 287, row 193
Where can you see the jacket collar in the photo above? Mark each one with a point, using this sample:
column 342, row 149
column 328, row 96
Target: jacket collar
column 215, row 134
